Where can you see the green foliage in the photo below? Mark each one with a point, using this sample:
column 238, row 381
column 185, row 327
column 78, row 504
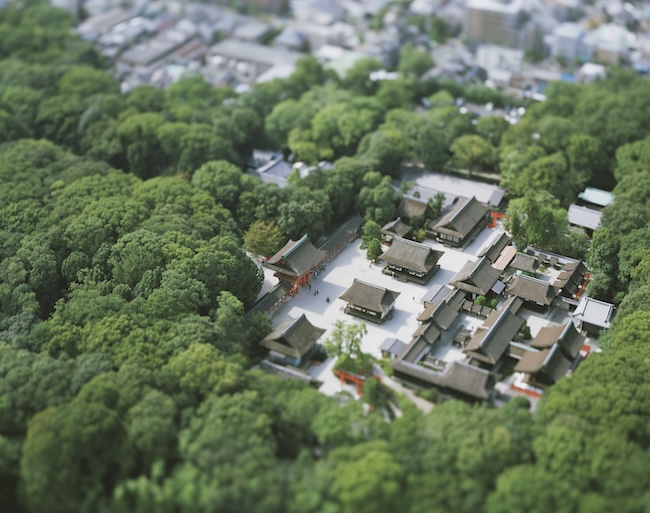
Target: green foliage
column 124, row 349
column 264, row 238
column 374, row 250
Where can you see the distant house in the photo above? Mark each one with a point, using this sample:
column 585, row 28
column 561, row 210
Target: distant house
column 460, row 225
column 593, row 316
column 396, row 228
column 410, row 207
column 595, row 198
column 571, row 279
column 476, row 277
column 544, row 367
column 586, row 218
column 293, row 340
column 566, row 336
column 492, row 339
column 412, row 261
column 369, row 301
column 532, row 289
column 296, row 261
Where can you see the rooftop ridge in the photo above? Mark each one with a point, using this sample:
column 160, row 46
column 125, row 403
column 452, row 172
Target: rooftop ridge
column 296, row 244
column 370, row 284
column 490, row 331
column 550, row 355
column 461, row 208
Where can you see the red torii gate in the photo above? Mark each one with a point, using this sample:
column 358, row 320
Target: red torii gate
column 356, row 379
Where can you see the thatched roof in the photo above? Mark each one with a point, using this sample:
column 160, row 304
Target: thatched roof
column 411, row 255
column 410, row 207
column 462, row 218
column 477, row 277
column 428, row 331
column 548, row 364
column 368, row 296
column 532, row 289
column 492, row 339
column 293, row 337
column 494, row 249
column 442, row 314
column 296, row 258
column 504, row 259
column 525, row 262
column 396, row 228
column 566, row 335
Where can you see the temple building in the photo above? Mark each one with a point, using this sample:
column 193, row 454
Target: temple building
column 461, row 224
column 293, row 341
column 476, row 277
column 533, row 290
column 493, row 338
column 411, row 261
column 544, row 367
column 296, row 262
column 369, row 301
column 396, row 228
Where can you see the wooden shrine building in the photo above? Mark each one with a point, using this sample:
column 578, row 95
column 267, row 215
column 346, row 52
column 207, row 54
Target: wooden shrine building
column 411, row 261
column 293, row 340
column 296, row 262
column 368, row 301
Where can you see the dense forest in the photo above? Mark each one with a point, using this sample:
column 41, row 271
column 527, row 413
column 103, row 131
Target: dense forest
column 126, row 362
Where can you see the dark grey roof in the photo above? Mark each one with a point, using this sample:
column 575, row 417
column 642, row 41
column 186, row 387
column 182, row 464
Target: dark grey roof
column 410, row 207
column 368, row 296
column 411, row 255
column 492, row 339
column 296, row 258
column 442, row 314
column 593, row 311
column 566, row 335
column 477, row 277
column 493, row 251
column 532, row 289
column 467, row 379
column 270, row 299
column 457, row 376
column 428, row 331
column 436, row 293
column 392, row 346
column 525, row 262
column 293, row 337
column 396, row 228
column 549, row 364
column 584, row 217
column 462, row 219
column 571, row 276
